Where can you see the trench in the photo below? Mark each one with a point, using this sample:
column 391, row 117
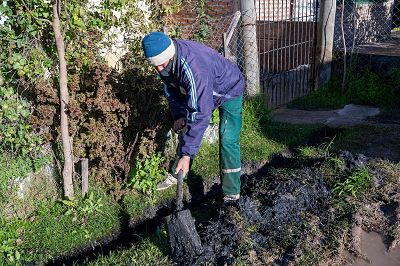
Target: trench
column 283, row 215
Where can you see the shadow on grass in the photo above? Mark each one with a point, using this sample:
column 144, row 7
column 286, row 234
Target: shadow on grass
column 122, row 239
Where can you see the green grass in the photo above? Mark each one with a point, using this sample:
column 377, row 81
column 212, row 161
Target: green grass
column 136, row 204
column 327, row 98
column 149, row 251
column 52, row 232
column 354, row 139
column 362, row 87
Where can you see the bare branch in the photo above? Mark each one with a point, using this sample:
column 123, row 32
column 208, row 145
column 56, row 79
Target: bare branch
column 68, row 17
column 30, row 12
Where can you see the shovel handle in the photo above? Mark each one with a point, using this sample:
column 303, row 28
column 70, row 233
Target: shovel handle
column 179, row 191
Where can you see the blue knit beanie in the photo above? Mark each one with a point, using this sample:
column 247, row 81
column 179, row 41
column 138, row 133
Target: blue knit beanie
column 158, row 48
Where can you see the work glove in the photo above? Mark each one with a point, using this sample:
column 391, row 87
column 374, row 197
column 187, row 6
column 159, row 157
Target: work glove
column 179, row 125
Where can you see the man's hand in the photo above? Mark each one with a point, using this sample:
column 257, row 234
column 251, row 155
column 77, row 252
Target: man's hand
column 183, row 164
column 179, row 125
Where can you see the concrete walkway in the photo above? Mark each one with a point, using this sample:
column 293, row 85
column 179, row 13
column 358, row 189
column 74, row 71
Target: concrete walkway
column 350, row 115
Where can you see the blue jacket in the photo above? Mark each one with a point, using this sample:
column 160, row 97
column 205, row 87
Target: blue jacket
column 202, row 80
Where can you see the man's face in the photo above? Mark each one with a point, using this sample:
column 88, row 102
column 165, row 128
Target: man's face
column 161, row 67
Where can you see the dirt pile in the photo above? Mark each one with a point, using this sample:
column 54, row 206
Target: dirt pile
column 302, row 211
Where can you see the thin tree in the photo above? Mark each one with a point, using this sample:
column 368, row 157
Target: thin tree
column 64, row 95
column 64, row 98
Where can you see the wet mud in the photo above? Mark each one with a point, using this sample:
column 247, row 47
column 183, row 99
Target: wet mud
column 289, row 215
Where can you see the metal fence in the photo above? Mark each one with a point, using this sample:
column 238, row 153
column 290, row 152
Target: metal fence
column 366, row 29
column 286, row 40
column 220, row 33
column 286, row 32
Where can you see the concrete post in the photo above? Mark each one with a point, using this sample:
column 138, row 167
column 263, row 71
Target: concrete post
column 325, row 33
column 251, row 64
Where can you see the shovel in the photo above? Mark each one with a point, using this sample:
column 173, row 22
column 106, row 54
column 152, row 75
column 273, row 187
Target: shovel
column 183, row 237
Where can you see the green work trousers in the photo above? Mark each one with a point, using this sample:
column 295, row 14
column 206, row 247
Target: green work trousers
column 230, row 114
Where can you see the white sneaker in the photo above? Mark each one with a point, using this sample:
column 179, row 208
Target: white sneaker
column 231, row 198
column 168, row 182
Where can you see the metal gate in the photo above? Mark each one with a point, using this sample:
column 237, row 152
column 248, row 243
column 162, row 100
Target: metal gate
column 286, row 35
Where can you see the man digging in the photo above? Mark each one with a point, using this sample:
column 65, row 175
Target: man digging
column 198, row 80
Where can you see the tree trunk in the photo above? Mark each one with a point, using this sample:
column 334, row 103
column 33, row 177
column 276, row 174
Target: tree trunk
column 66, row 140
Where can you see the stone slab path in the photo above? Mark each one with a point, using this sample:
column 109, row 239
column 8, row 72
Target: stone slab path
column 348, row 116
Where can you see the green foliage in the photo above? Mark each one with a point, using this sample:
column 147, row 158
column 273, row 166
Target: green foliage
column 327, row 97
column 53, row 233
column 215, row 117
column 16, row 136
column 82, row 208
column 13, row 168
column 147, row 173
column 363, row 87
column 368, row 88
column 10, row 241
column 255, row 115
column 355, row 184
column 203, row 19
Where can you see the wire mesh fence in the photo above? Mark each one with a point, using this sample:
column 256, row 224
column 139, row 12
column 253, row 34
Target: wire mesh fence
column 362, row 22
column 225, row 35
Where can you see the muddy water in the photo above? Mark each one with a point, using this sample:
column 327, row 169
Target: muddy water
column 373, row 247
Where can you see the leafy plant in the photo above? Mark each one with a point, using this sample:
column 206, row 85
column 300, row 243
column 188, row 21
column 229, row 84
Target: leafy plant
column 204, row 19
column 10, row 239
column 355, row 184
column 16, row 136
column 12, row 168
column 147, row 173
column 215, row 117
column 83, row 208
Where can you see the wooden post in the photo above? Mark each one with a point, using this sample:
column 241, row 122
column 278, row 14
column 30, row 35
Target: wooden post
column 325, row 33
column 85, row 176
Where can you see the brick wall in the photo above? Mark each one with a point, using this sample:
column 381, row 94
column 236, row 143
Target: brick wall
column 187, row 25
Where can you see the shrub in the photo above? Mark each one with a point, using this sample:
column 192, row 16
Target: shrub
column 146, row 174
column 368, row 88
column 16, row 136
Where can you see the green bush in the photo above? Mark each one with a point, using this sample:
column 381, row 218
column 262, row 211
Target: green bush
column 146, row 174
column 16, row 136
column 368, row 88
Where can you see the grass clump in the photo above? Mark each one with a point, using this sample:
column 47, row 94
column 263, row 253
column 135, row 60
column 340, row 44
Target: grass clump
column 355, row 184
column 327, row 97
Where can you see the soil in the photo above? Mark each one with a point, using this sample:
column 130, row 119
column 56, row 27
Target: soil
column 290, row 216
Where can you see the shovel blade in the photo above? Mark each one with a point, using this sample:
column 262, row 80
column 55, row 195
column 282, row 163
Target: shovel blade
column 183, row 237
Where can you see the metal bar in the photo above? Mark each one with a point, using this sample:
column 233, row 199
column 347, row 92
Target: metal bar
column 290, row 85
column 232, row 27
column 273, row 47
column 279, row 52
column 285, row 52
column 302, row 49
column 225, row 44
